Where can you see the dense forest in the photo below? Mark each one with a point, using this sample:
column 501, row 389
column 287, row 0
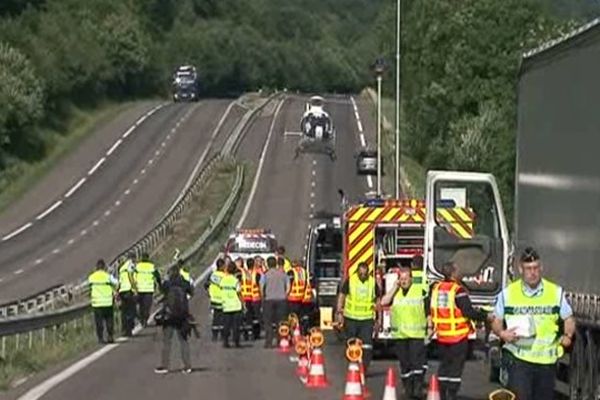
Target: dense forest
column 459, row 75
column 459, row 61
column 54, row 53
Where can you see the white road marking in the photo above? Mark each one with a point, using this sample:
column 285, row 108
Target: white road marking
column 19, row 271
column 126, row 193
column 161, row 145
column 49, row 210
column 98, row 164
column 360, row 127
column 135, row 181
column 17, row 231
column 40, row 390
column 363, row 141
column 106, row 213
column 173, row 130
column 314, row 173
column 370, row 181
column 128, row 132
column 96, row 223
column 313, row 184
column 56, row 251
column 83, row 232
column 114, row 147
column 260, row 165
column 292, row 133
column 143, row 171
column 39, row 261
column 71, row 241
column 312, row 205
column 312, row 194
column 151, row 161
column 75, row 187
column 314, row 162
column 117, row 203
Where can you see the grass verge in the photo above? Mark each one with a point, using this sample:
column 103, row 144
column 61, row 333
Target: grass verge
column 18, row 178
column 51, row 347
column 29, row 354
column 197, row 217
column 412, row 174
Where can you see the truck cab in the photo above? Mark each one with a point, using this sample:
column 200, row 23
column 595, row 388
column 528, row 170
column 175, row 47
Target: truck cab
column 460, row 220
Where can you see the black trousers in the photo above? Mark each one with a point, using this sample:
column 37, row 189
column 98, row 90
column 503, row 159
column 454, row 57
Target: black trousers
column 127, row 312
column 530, row 381
column 103, row 316
column 231, row 327
column 252, row 318
column 144, row 306
column 363, row 330
column 217, row 321
column 274, row 311
column 308, row 317
column 412, row 356
column 453, row 358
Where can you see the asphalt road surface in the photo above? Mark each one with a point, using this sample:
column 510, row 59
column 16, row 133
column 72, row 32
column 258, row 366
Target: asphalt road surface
column 289, row 194
column 109, row 192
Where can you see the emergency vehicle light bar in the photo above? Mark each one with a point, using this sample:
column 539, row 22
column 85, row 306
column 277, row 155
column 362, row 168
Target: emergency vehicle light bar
column 253, row 231
column 412, row 203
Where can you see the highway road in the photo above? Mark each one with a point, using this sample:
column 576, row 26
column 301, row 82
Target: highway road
column 110, row 191
column 288, row 194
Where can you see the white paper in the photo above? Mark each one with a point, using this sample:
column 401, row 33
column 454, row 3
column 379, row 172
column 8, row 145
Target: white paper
column 524, row 325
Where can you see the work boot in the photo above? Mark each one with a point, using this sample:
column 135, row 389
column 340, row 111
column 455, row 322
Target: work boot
column 408, row 387
column 417, row 387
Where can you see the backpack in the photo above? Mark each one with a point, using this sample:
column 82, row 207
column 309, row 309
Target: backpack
column 176, row 304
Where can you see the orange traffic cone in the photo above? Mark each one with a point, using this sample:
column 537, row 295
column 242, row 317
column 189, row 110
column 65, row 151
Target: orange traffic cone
column 389, row 392
column 433, row 392
column 284, row 345
column 302, row 368
column 363, row 380
column 316, row 375
column 354, row 384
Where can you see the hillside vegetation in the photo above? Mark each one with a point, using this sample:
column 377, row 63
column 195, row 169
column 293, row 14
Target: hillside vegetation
column 59, row 53
column 459, row 76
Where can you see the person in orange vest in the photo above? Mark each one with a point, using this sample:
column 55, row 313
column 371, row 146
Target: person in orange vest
column 308, row 307
column 450, row 317
column 297, row 289
column 259, row 263
column 251, row 296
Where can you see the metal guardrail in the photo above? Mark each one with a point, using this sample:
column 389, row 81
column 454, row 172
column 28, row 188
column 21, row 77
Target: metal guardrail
column 29, row 324
column 66, row 293
column 19, row 325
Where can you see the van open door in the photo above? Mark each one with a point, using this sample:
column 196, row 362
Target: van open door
column 465, row 223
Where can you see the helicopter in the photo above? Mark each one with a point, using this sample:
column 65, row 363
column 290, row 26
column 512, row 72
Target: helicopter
column 317, row 130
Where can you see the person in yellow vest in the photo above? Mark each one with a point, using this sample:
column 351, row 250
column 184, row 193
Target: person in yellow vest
column 213, row 286
column 451, row 314
column 356, row 305
column 297, row 289
column 233, row 305
column 409, row 308
column 286, row 264
column 127, row 290
column 147, row 279
column 418, row 274
column 102, row 290
column 532, row 308
column 184, row 271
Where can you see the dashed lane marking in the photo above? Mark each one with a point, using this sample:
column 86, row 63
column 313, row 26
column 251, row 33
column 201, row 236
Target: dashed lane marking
column 17, row 231
column 49, row 210
column 75, row 187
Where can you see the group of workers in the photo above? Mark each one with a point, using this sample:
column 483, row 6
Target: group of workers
column 134, row 287
column 249, row 295
column 253, row 294
column 526, row 318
